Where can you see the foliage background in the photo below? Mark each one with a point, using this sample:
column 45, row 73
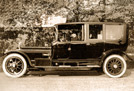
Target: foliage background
column 18, row 18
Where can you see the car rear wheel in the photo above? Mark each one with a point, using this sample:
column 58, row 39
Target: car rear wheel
column 114, row 66
column 14, row 65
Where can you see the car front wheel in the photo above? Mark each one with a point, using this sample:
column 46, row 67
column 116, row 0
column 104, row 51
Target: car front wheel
column 14, row 65
column 114, row 66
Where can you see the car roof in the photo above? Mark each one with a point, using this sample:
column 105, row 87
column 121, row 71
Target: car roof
column 89, row 23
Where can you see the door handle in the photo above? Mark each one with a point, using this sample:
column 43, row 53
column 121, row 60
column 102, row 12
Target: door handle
column 69, row 48
column 88, row 44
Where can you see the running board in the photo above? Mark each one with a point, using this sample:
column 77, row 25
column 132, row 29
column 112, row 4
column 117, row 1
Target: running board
column 90, row 66
column 68, row 66
column 93, row 66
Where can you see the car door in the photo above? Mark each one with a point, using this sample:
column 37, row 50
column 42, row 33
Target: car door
column 71, row 37
column 94, row 40
column 61, row 50
column 77, row 44
column 78, row 50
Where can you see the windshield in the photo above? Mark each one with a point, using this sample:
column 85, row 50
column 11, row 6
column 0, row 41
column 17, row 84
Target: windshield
column 71, row 32
column 41, row 37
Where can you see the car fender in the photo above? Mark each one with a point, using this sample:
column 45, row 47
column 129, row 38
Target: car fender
column 113, row 51
column 21, row 53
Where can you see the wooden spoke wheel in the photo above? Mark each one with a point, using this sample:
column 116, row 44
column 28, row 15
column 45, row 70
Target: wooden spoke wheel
column 14, row 65
column 115, row 66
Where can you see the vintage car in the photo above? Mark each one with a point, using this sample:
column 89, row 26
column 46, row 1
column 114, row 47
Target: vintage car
column 77, row 46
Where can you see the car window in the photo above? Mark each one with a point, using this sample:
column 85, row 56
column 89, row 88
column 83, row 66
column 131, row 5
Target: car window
column 71, row 32
column 95, row 31
column 114, row 32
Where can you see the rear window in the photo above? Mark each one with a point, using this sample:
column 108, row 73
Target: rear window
column 114, row 32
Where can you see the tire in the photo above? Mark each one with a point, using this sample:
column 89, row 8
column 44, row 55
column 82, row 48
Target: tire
column 114, row 66
column 14, row 65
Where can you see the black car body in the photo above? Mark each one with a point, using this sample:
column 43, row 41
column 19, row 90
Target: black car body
column 78, row 45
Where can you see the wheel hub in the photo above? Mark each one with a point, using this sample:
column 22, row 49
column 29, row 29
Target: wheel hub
column 115, row 66
column 14, row 65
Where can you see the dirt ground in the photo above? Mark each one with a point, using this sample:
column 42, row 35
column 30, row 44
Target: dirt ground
column 68, row 81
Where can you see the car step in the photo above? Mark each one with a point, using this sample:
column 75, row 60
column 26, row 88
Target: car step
column 93, row 66
column 69, row 66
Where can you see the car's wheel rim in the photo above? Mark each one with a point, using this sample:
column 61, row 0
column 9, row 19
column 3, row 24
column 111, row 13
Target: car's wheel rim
column 115, row 66
column 14, row 66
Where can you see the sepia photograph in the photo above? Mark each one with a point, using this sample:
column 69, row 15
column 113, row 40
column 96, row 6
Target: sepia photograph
column 66, row 45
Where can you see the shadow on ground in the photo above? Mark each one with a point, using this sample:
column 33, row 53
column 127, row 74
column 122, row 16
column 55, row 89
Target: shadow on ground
column 93, row 72
column 130, row 65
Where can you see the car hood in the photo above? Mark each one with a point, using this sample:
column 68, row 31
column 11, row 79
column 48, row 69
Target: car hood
column 44, row 50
